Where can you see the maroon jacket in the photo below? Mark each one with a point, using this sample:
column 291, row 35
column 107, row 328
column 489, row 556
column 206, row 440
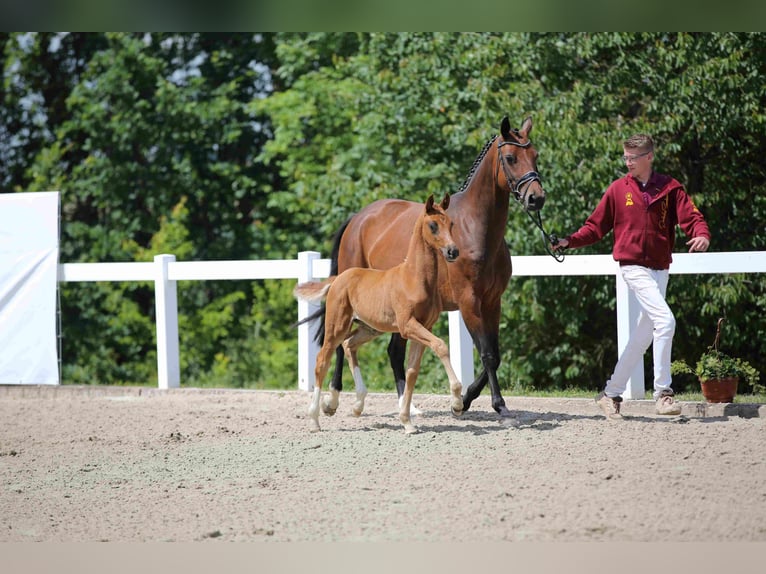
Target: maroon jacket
column 644, row 231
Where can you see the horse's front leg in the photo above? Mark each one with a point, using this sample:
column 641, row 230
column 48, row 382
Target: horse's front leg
column 484, row 328
column 489, row 351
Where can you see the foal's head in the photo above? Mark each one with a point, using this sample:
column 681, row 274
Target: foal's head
column 437, row 228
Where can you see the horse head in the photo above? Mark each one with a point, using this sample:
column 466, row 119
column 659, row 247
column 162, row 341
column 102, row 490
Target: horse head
column 517, row 159
column 437, row 228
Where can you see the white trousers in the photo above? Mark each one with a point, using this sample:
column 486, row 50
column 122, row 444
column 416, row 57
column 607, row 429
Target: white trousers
column 656, row 326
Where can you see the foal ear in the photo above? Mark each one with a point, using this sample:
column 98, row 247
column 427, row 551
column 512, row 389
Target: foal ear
column 445, row 202
column 430, row 203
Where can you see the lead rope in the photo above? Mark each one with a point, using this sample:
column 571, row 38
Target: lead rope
column 548, row 238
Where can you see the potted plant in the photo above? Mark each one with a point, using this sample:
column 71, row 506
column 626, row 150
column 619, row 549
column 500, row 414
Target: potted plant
column 719, row 374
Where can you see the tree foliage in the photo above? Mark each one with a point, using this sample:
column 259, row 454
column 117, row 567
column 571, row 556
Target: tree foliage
column 258, row 146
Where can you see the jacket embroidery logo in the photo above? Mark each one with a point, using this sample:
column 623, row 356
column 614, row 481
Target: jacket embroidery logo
column 694, row 207
column 629, row 198
column 662, row 223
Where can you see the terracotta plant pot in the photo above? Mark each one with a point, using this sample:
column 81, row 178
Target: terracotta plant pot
column 720, row 390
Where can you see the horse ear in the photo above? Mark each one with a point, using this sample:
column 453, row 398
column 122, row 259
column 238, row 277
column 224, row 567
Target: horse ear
column 526, row 127
column 430, row 203
column 445, row 202
column 505, row 128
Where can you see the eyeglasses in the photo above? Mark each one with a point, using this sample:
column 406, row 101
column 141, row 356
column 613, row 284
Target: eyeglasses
column 632, row 158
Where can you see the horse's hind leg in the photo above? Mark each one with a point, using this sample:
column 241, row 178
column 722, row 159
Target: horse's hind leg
column 397, row 352
column 330, row 404
column 359, row 337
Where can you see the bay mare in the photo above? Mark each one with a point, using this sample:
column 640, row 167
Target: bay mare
column 377, row 237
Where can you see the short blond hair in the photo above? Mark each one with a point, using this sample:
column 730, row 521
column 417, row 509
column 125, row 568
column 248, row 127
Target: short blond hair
column 644, row 142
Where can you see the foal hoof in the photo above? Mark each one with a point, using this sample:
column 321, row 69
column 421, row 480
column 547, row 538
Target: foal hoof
column 413, row 409
column 327, row 409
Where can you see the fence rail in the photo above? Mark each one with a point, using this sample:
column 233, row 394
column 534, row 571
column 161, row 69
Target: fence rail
column 165, row 272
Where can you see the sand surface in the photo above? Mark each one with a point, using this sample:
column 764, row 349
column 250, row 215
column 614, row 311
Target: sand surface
column 190, row 465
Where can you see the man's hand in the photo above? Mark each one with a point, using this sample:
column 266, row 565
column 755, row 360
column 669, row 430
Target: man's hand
column 698, row 244
column 560, row 244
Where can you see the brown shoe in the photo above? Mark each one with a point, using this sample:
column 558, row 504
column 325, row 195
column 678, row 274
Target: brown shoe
column 610, row 406
column 667, row 405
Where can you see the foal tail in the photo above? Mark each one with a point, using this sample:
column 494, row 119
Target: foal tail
column 319, row 314
column 313, row 291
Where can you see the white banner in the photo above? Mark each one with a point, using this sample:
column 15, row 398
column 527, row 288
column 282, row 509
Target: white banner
column 29, row 248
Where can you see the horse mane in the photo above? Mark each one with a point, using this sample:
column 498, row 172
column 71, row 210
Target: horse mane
column 476, row 164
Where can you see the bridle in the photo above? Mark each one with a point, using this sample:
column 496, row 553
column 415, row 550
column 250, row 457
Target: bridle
column 525, row 181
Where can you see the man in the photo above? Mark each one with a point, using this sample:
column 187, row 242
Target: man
column 643, row 208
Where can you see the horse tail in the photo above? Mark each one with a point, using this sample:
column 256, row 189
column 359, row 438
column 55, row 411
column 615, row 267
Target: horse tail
column 336, row 246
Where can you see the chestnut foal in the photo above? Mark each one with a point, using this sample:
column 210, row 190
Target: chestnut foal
column 403, row 299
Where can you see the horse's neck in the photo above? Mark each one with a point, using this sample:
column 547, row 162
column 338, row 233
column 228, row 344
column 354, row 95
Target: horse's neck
column 483, row 206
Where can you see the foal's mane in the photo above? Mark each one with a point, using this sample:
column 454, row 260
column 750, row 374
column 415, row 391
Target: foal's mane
column 476, row 164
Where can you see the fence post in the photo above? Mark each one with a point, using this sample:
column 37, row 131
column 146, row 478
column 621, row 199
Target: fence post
column 166, row 305
column 307, row 347
column 460, row 348
column 628, row 310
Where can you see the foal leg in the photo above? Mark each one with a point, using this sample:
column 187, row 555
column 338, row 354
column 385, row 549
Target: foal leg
column 322, row 366
column 330, row 402
column 397, row 352
column 417, row 332
column 359, row 337
column 413, row 368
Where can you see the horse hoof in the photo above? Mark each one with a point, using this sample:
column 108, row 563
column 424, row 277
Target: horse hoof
column 457, row 413
column 314, row 427
column 510, row 422
column 411, row 429
column 356, row 412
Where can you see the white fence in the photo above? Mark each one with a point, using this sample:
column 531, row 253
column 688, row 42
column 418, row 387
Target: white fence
column 165, row 272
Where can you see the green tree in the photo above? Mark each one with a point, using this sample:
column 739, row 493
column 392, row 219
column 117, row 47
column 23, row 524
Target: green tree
column 131, row 125
column 405, row 115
